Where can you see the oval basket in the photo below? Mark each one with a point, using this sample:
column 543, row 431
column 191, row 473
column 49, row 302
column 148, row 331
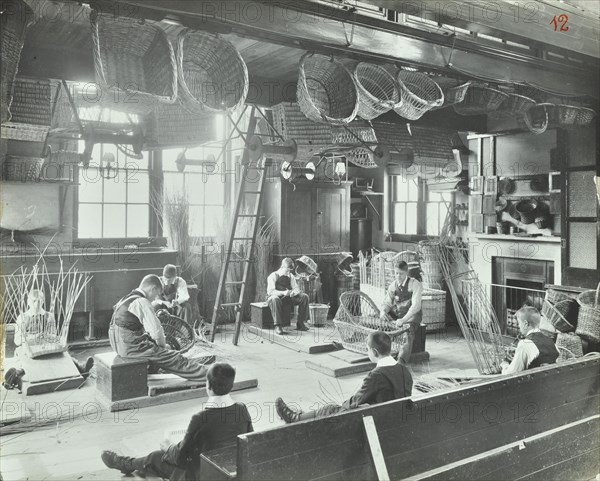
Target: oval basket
column 134, row 64
column 377, row 88
column 326, row 90
column 419, row 94
column 178, row 333
column 554, row 296
column 558, row 313
column 588, row 321
column 480, row 100
column 213, row 77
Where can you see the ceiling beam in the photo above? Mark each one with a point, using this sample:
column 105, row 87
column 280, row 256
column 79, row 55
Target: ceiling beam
column 516, row 20
column 328, row 29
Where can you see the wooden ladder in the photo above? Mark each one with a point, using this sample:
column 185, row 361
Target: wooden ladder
column 251, row 187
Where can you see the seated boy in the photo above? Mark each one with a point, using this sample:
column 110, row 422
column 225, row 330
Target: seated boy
column 174, row 297
column 388, row 380
column 216, row 426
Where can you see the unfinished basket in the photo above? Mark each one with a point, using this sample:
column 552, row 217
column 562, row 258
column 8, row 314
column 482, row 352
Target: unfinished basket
column 354, row 336
column 178, row 333
column 15, row 17
column 377, row 88
column 588, row 321
column 212, row 75
column 326, row 91
column 559, row 313
column 433, row 309
column 419, row 94
column 569, row 346
column 22, row 169
column 480, row 100
column 357, row 308
column 134, row 63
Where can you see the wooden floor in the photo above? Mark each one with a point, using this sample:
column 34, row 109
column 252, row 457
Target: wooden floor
column 70, row 449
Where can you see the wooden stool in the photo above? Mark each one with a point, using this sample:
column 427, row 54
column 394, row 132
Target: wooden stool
column 260, row 315
column 119, row 379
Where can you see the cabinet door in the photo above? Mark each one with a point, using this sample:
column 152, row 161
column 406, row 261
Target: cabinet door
column 332, row 220
column 298, row 223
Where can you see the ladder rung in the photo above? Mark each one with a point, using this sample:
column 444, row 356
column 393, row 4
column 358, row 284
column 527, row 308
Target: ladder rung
column 252, row 192
column 242, row 238
column 240, row 260
column 234, row 283
column 247, row 215
column 230, row 304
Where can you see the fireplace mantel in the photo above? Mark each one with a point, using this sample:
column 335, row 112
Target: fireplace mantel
column 516, row 238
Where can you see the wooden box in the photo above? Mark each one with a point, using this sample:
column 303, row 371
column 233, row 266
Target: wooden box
column 260, row 315
column 118, row 379
column 419, row 342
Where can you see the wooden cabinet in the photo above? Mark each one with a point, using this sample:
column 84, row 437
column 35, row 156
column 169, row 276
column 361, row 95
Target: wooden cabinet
column 311, row 218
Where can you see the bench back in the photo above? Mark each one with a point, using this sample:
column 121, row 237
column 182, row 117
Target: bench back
column 430, row 432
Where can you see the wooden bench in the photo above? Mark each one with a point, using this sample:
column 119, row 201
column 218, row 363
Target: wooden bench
column 118, row 379
column 539, row 424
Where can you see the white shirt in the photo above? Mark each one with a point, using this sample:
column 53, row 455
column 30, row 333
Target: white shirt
column 271, row 291
column 386, row 361
column 143, row 310
column 219, row 401
column 182, row 290
column 415, row 287
column 525, row 353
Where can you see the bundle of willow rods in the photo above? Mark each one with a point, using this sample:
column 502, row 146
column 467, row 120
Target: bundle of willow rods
column 475, row 313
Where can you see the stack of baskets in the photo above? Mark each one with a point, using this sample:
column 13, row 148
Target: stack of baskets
column 588, row 320
column 431, row 269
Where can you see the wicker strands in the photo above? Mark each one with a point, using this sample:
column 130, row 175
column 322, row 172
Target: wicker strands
column 569, row 346
column 419, row 94
column 455, row 95
column 174, row 126
column 178, row 333
column 355, row 133
column 584, row 117
column 554, row 296
column 559, row 314
column 212, row 74
column 433, row 309
column 378, row 91
column 134, row 64
column 22, row 169
column 588, row 321
column 536, row 118
column 480, row 100
column 15, row 17
column 326, row 91
column 513, row 105
column 31, row 101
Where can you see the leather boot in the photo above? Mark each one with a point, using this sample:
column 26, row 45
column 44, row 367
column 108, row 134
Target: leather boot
column 114, row 461
column 300, row 326
column 285, row 412
column 279, row 330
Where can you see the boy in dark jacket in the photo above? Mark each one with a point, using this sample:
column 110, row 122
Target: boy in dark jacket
column 216, row 426
column 388, row 380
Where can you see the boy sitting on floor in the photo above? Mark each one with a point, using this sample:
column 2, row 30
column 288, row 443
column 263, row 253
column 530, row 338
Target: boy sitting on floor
column 216, row 426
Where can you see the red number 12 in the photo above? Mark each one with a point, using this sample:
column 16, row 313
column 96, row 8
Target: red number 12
column 561, row 18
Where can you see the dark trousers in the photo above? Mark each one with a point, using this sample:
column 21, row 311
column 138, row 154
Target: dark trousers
column 138, row 345
column 408, row 337
column 154, row 465
column 322, row 412
column 281, row 306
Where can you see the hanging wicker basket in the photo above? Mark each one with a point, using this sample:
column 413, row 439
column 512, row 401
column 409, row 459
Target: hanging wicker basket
column 513, row 105
column 15, row 17
column 536, row 119
column 418, row 93
column 362, row 157
column 134, row 63
column 480, row 100
column 377, row 88
column 584, row 117
column 212, row 75
column 588, row 321
column 455, row 95
column 22, row 169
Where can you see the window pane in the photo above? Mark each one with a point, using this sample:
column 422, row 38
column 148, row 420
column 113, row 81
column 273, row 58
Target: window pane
column 90, row 185
column 137, row 220
column 400, row 188
column 196, row 227
column 433, row 219
column 89, row 221
column 169, row 156
column 413, row 189
column 195, row 185
column 411, row 218
column 215, row 190
column 138, row 187
column 213, row 220
column 173, row 184
column 399, row 218
column 114, row 221
column 114, row 189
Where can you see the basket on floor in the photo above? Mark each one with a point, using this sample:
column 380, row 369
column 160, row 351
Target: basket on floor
column 559, row 314
column 418, row 93
column 178, row 333
column 377, row 89
column 354, row 336
column 318, row 314
column 433, row 309
column 212, row 75
column 15, row 17
column 134, row 63
column 569, row 346
column 22, row 169
column 588, row 320
column 326, row 90
column 480, row 100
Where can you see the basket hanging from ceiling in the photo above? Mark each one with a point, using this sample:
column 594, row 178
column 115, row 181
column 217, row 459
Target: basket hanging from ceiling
column 513, row 105
column 212, row 75
column 480, row 100
column 356, row 133
column 362, row 157
column 22, row 169
column 15, row 17
column 536, row 118
column 453, row 93
column 134, row 63
column 326, row 90
column 377, row 88
column 584, row 117
column 419, row 94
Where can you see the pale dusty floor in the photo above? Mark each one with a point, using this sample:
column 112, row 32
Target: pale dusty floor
column 70, row 450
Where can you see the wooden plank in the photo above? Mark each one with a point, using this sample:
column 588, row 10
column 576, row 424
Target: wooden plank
column 171, row 397
column 314, row 341
column 375, row 448
column 349, row 356
column 336, row 368
column 220, row 464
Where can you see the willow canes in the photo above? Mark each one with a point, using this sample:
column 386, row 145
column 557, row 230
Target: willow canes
column 476, row 316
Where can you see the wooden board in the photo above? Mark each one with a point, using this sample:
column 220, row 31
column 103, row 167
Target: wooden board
column 349, row 356
column 50, row 373
column 336, row 368
column 314, row 341
column 170, row 397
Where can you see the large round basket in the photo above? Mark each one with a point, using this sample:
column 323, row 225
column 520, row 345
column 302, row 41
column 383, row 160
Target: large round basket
column 326, row 90
column 14, row 20
column 513, row 105
column 212, row 74
column 560, row 313
column 569, row 346
column 588, row 321
column 378, row 91
column 134, row 63
column 418, row 93
column 537, row 118
column 480, row 100
column 178, row 333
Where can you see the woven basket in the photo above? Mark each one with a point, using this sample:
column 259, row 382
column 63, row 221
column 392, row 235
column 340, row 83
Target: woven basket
column 566, row 114
column 527, row 210
column 377, row 88
column 326, row 91
column 16, row 16
column 455, row 95
column 559, row 313
column 27, row 132
column 174, row 126
column 433, row 309
column 318, row 314
column 31, row 101
column 362, row 157
column 354, row 336
column 429, row 248
column 22, row 169
column 135, row 64
column 354, row 134
column 419, row 94
column 584, row 117
column 554, row 296
column 514, row 105
column 178, row 333
column 212, row 74
column 536, row 119
column 569, row 346
column 480, row 100
column 588, row 321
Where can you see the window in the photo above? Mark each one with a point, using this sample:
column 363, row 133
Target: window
column 405, row 196
column 437, row 206
column 202, row 186
column 113, row 203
